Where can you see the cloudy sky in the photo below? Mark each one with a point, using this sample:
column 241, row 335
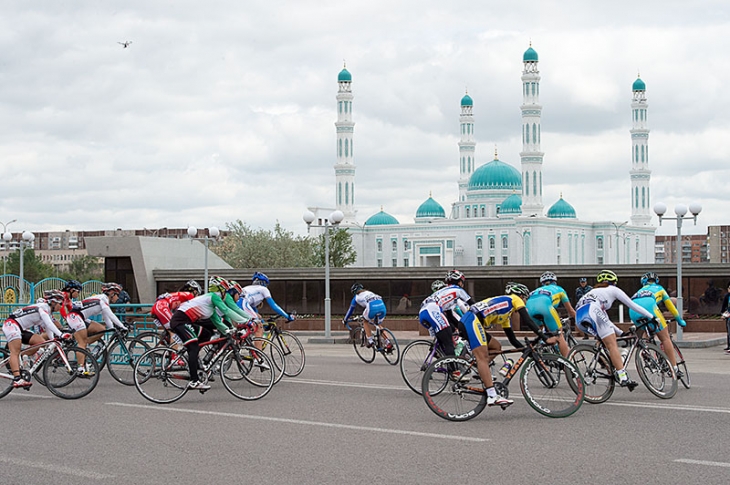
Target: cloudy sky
column 225, row 110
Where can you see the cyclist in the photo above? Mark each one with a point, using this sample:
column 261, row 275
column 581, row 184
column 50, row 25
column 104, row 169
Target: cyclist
column 18, row 324
column 592, row 319
column 374, row 312
column 432, row 316
column 542, row 304
column 167, row 303
column 483, row 314
column 256, row 294
column 648, row 297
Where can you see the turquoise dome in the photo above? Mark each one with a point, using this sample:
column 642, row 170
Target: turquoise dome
column 561, row 210
column 511, row 205
column 381, row 219
column 467, row 101
column 344, row 75
column 430, row 208
column 639, row 85
column 530, row 55
column 496, row 175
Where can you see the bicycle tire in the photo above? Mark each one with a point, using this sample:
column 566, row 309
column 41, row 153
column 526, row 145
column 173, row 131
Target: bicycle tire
column 597, row 372
column 6, row 375
column 360, row 343
column 293, row 351
column 556, row 389
column 122, row 357
column 150, row 337
column 98, row 352
column 242, row 378
column 274, row 353
column 392, row 354
column 64, row 380
column 414, row 361
column 655, row 371
column 161, row 375
column 682, row 366
column 450, row 399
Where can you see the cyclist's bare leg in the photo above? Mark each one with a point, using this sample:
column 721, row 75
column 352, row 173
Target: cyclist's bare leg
column 481, row 353
column 612, row 347
column 668, row 348
column 14, row 347
column 494, row 349
column 82, row 339
column 94, row 328
column 563, row 345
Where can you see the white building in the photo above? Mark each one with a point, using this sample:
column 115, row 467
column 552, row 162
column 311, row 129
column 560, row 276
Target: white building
column 499, row 217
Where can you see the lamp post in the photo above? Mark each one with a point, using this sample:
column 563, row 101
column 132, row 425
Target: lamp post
column 7, row 237
column 334, row 220
column 618, row 227
column 681, row 211
column 28, row 238
column 213, row 233
column 522, row 238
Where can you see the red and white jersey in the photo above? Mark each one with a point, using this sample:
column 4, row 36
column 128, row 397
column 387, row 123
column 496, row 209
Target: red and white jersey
column 450, row 297
column 199, row 308
column 98, row 305
column 33, row 315
column 168, row 303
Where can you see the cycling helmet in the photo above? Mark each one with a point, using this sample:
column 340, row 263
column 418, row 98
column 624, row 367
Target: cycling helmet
column 582, row 280
column 111, row 288
column 192, row 286
column 260, row 279
column 54, row 296
column 454, row 276
column 356, row 287
column 518, row 289
column 547, row 276
column 650, row 276
column 72, row 285
column 607, row 276
column 216, row 284
column 437, row 285
column 237, row 286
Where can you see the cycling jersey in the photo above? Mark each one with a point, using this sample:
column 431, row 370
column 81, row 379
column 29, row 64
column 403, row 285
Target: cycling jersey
column 207, row 307
column 591, row 316
column 373, row 304
column 451, row 297
column 542, row 304
column 97, row 305
column 168, row 303
column 257, row 294
column 499, row 309
column 23, row 319
column 648, row 297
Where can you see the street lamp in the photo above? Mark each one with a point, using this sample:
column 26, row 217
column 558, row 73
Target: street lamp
column 522, row 238
column 681, row 211
column 334, row 220
column 28, row 238
column 213, row 233
column 7, row 237
column 618, row 227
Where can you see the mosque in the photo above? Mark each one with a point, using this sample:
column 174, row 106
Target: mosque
column 499, row 217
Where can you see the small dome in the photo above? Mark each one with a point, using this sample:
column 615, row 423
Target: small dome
column 496, row 175
column 561, row 210
column 467, row 101
column 381, row 219
column 430, row 208
column 511, row 205
column 530, row 55
column 344, row 76
column 639, row 85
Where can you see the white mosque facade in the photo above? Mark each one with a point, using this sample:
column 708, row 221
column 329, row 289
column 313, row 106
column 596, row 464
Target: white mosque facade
column 499, row 218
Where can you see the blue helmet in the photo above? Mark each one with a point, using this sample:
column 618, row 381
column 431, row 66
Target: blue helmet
column 260, row 279
column 650, row 276
column 72, row 285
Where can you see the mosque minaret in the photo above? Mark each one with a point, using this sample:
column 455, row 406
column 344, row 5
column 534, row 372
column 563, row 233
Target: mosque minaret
column 640, row 173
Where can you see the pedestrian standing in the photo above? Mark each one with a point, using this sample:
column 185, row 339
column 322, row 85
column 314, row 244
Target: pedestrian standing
column 726, row 315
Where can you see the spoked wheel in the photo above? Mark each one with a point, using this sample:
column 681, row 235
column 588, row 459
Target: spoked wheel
column 6, row 375
column 161, row 375
column 151, row 338
column 274, row 353
column 414, row 361
column 293, row 352
column 552, row 385
column 121, row 359
column 391, row 350
column 450, row 398
column 247, row 373
column 597, row 372
column 656, row 372
column 365, row 351
column 65, row 379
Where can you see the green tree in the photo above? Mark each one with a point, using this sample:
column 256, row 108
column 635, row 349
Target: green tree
column 34, row 269
column 84, row 268
column 342, row 252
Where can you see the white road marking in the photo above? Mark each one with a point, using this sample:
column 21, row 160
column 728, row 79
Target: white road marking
column 55, row 468
column 300, row 421
column 674, row 407
column 361, row 385
column 703, row 462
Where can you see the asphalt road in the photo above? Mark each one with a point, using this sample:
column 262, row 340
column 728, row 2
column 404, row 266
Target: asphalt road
column 346, row 422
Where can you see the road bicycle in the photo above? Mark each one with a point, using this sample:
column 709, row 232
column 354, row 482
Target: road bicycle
column 417, row 356
column 289, row 345
column 161, row 374
column 57, row 361
column 567, row 334
column 550, row 383
column 598, row 371
column 119, row 351
column 383, row 341
column 683, row 374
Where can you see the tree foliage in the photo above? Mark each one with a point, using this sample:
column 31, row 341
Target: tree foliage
column 84, row 268
column 342, row 252
column 34, row 269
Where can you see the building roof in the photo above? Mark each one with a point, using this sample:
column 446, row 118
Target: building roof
column 382, row 218
column 496, row 175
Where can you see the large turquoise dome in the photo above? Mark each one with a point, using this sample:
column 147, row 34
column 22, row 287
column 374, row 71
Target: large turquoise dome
column 344, row 75
column 430, row 208
column 639, row 85
column 496, row 175
column 381, row 219
column 561, row 210
column 467, row 101
column 511, row 205
column 530, row 55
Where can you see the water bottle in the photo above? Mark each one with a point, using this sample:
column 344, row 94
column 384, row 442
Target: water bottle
column 459, row 346
column 508, row 363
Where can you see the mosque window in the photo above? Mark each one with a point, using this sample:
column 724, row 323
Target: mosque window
column 339, row 147
column 557, row 241
column 467, row 212
column 505, row 260
column 534, row 133
column 480, row 261
column 534, row 183
column 527, row 133
column 480, row 243
column 379, row 245
column 538, row 89
column 491, row 261
column 599, row 242
column 643, row 197
column 642, row 153
column 491, row 242
column 636, row 197
column 352, row 148
column 405, row 262
column 468, row 164
column 380, row 263
column 463, row 165
column 599, row 260
column 352, row 197
column 450, row 244
column 394, row 263
column 347, row 147
column 484, row 211
column 347, row 193
column 539, row 133
column 540, row 184
column 394, row 245
column 527, row 183
column 339, row 106
column 636, row 154
column 339, row 193
column 505, row 242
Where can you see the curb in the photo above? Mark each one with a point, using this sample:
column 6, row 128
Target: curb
column 700, row 344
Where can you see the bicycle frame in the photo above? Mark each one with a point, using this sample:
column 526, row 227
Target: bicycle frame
column 57, row 348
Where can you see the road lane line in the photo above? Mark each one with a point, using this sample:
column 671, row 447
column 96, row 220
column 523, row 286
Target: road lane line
column 346, row 384
column 54, row 468
column 702, row 462
column 673, row 407
column 300, row 421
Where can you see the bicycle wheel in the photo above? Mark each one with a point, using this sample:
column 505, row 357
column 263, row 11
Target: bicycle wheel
column 552, row 385
column 454, row 400
column 122, row 357
column 161, row 375
column 597, row 372
column 63, row 377
column 245, row 374
column 293, row 353
column 150, row 337
column 414, row 361
column 6, row 375
column 360, row 343
column 274, row 353
column 391, row 350
column 655, row 371
column 98, row 351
